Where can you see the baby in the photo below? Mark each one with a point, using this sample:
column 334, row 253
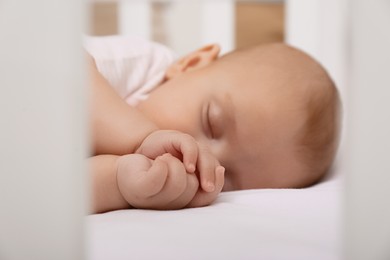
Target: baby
column 262, row 117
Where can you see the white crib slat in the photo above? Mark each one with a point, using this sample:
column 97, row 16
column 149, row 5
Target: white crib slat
column 218, row 24
column 135, row 18
column 42, row 135
column 368, row 173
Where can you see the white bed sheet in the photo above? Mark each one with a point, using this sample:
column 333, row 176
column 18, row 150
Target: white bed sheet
column 252, row 224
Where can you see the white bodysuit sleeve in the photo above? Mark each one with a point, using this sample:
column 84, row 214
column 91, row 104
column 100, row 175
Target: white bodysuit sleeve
column 133, row 66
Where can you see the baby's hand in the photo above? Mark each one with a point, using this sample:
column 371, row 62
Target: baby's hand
column 203, row 198
column 160, row 184
column 184, row 147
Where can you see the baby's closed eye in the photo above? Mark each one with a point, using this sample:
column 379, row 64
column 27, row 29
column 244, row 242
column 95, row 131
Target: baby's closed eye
column 215, row 120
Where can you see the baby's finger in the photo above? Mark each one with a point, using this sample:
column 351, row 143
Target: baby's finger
column 153, row 180
column 206, row 167
column 203, row 198
column 176, row 182
column 188, row 147
column 187, row 195
column 219, row 178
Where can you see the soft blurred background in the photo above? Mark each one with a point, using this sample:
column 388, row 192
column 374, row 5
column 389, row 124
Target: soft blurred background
column 186, row 25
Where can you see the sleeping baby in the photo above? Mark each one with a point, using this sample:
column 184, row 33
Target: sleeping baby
column 184, row 130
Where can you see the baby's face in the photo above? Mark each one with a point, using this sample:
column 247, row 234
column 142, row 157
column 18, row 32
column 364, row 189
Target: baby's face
column 249, row 120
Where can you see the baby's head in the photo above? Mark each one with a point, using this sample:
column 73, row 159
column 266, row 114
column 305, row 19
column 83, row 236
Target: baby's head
column 268, row 113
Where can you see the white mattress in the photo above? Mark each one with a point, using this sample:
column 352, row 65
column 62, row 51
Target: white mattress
column 252, row 224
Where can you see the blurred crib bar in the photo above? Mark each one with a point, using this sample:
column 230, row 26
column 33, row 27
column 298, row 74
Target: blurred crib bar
column 43, row 136
column 186, row 25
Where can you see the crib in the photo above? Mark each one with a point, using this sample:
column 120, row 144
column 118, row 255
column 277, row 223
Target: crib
column 43, row 191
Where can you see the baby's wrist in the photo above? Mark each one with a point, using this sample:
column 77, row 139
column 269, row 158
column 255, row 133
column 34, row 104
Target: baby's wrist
column 118, row 172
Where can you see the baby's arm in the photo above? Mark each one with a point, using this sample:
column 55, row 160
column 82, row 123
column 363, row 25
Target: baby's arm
column 105, row 194
column 121, row 182
column 116, row 127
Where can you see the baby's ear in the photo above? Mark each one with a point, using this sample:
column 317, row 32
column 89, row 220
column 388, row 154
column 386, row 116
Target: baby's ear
column 193, row 61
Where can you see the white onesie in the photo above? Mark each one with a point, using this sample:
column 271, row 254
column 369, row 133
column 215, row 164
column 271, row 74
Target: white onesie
column 133, row 66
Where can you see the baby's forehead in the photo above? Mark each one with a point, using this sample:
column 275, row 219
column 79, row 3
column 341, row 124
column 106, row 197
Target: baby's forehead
column 276, row 87
column 272, row 62
column 270, row 91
